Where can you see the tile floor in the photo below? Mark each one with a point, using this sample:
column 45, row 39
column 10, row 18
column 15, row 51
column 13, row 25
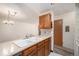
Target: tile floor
column 54, row 54
column 63, row 51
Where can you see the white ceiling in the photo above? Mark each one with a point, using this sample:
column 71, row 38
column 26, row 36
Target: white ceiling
column 32, row 10
column 62, row 8
column 58, row 8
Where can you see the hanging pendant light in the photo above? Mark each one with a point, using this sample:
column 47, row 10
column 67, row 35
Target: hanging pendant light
column 8, row 20
column 5, row 21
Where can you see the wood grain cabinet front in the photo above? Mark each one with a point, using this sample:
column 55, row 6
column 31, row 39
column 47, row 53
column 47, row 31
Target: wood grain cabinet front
column 46, row 47
column 30, row 51
column 45, row 21
column 40, row 49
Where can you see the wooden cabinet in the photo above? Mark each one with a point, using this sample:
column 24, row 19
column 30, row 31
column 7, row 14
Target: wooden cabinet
column 46, row 47
column 41, row 22
column 31, row 51
column 49, row 44
column 45, row 21
column 40, row 49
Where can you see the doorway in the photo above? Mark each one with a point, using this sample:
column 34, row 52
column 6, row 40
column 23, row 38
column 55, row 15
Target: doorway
column 58, row 40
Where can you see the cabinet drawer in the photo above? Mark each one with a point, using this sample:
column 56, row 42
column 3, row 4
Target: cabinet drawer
column 40, row 43
column 47, row 40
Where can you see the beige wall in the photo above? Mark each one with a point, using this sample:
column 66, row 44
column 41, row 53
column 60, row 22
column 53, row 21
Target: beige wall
column 68, row 37
column 17, row 31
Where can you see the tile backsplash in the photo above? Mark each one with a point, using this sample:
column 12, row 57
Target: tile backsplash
column 45, row 31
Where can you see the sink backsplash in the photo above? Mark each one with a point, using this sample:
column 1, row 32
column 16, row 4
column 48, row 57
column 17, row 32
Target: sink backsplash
column 45, row 31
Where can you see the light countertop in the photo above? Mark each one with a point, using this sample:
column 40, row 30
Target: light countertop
column 9, row 48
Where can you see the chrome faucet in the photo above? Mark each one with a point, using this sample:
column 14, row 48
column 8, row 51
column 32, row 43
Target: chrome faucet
column 27, row 36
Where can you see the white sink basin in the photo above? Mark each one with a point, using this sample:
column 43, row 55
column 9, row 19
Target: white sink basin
column 33, row 39
column 22, row 42
column 25, row 42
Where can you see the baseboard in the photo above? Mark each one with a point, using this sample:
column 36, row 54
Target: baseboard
column 51, row 50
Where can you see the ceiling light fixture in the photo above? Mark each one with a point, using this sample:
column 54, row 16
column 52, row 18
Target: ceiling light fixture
column 8, row 20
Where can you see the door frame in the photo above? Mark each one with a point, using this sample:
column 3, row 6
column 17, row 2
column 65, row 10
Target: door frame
column 62, row 30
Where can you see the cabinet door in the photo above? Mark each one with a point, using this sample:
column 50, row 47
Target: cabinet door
column 41, row 49
column 47, row 47
column 45, row 21
column 41, row 22
column 49, row 44
column 41, row 52
column 34, row 53
column 30, row 51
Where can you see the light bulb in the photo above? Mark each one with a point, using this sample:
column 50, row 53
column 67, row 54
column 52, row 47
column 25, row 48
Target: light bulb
column 8, row 22
column 5, row 21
